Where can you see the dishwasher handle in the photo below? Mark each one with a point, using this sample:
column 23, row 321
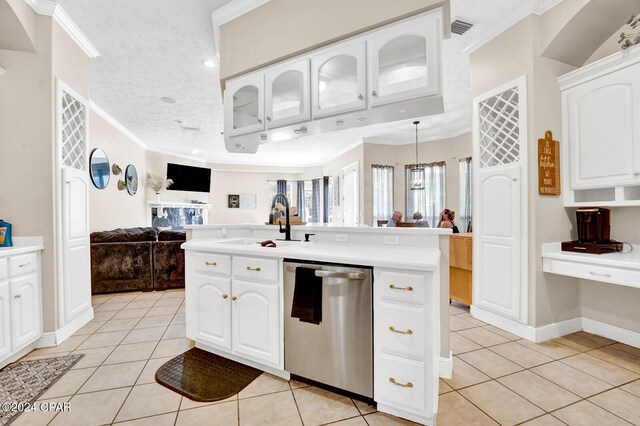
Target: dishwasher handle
column 335, row 274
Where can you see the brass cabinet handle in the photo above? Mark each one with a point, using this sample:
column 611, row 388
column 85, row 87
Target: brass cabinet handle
column 249, row 268
column 211, row 263
column 234, row 298
column 404, row 385
column 409, row 332
column 224, row 296
column 393, row 287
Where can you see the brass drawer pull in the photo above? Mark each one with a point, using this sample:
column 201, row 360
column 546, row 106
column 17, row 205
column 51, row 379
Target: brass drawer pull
column 249, row 268
column 409, row 332
column 224, row 296
column 234, row 298
column 404, row 385
column 211, row 263
column 393, row 287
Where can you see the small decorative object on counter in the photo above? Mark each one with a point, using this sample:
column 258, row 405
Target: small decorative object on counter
column 5, row 234
column 628, row 40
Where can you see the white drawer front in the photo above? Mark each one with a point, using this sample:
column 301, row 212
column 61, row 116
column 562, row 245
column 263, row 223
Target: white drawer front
column 401, row 287
column 593, row 272
column 400, row 330
column 22, row 264
column 253, row 268
column 400, row 383
column 212, row 264
column 4, row 272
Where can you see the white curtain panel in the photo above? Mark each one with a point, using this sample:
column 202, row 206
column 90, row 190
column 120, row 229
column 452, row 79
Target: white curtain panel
column 465, row 170
column 430, row 201
column 382, row 182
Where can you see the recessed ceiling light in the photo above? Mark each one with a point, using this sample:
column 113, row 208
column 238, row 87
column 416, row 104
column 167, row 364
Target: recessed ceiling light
column 168, row 100
column 209, row 63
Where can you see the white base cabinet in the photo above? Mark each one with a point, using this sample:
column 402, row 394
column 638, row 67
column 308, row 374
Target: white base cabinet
column 20, row 304
column 211, row 322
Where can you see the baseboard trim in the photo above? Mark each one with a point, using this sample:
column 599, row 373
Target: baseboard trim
column 612, row 332
column 63, row 333
column 557, row 329
column 445, row 366
column 507, row 324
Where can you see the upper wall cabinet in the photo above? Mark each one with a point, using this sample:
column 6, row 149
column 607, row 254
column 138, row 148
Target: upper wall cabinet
column 601, row 125
column 244, row 105
column 287, row 94
column 404, row 60
column 338, row 79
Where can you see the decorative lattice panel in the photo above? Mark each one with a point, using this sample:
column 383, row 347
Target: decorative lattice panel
column 74, row 134
column 499, row 129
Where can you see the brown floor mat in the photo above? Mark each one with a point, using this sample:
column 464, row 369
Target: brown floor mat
column 205, row 377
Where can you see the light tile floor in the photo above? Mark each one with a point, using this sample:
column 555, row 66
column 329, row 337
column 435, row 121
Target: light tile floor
column 498, row 378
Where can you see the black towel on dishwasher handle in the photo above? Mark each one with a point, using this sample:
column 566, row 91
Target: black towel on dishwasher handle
column 307, row 296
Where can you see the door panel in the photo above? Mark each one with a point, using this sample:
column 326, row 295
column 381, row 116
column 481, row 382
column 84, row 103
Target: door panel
column 212, row 320
column 5, row 320
column 244, row 105
column 287, row 94
column 255, row 323
column 26, row 321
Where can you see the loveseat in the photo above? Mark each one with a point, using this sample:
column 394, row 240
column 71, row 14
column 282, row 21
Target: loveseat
column 136, row 259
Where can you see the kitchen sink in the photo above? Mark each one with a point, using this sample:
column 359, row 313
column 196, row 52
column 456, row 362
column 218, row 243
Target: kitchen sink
column 255, row 243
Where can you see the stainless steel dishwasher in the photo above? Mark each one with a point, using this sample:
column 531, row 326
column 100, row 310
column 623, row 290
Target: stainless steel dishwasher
column 338, row 351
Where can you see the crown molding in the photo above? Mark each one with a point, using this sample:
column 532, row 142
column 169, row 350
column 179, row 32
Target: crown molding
column 524, row 9
column 55, row 10
column 177, row 155
column 115, row 123
column 229, row 12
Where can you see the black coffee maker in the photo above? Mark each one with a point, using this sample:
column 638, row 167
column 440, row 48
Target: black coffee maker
column 594, row 232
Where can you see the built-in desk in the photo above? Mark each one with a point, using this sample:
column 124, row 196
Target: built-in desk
column 616, row 268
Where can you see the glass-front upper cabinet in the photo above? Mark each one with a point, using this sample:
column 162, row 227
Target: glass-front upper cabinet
column 287, row 94
column 244, row 105
column 338, row 79
column 404, row 60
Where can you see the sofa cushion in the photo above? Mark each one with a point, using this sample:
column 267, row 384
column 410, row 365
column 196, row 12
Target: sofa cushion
column 171, row 235
column 128, row 235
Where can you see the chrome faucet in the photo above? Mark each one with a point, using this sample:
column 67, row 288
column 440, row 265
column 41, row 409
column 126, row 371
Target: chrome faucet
column 287, row 225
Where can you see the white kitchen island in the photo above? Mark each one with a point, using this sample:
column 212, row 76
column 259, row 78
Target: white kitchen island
column 235, row 308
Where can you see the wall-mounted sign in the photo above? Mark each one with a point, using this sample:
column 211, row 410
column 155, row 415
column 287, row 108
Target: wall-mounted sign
column 241, row 201
column 548, row 165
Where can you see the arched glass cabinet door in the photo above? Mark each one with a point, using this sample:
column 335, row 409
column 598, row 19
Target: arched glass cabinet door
column 404, row 60
column 287, row 94
column 338, row 79
column 244, row 105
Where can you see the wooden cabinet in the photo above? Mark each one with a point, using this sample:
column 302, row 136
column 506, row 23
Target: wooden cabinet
column 5, row 320
column 244, row 105
column 338, row 79
column 255, row 321
column 287, row 91
column 460, row 267
column 404, row 61
column 212, row 320
column 600, row 110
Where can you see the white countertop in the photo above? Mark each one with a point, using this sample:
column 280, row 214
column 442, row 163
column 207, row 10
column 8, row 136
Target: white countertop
column 328, row 227
column 22, row 245
column 624, row 259
column 410, row 258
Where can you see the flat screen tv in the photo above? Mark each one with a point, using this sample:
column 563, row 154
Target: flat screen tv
column 188, row 178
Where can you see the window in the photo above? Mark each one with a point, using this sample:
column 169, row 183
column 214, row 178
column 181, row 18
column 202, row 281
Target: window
column 465, row 170
column 382, row 183
column 273, row 188
column 430, row 201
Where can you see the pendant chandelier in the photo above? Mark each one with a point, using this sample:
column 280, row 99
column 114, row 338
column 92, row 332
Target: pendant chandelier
column 416, row 174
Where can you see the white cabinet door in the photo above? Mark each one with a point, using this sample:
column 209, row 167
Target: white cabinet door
column 26, row 317
column 287, row 94
column 255, row 322
column 338, row 79
column 5, row 320
column 404, row 60
column 210, row 316
column 604, row 130
column 244, row 105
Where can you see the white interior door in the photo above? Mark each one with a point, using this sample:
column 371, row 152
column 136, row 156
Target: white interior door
column 499, row 241
column 74, row 279
column 351, row 203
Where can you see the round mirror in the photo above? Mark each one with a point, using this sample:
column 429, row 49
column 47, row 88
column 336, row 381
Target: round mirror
column 131, row 179
column 99, row 168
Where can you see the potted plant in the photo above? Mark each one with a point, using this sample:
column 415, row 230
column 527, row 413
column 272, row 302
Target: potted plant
column 158, row 184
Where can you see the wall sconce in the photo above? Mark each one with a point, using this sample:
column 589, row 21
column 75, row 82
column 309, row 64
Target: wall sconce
column 117, row 171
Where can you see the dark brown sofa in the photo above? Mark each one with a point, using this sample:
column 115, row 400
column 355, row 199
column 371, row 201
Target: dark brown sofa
column 136, row 259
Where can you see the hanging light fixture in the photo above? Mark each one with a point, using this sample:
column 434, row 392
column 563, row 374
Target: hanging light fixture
column 416, row 176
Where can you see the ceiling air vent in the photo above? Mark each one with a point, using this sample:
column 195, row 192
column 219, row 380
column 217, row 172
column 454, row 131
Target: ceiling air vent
column 460, row 27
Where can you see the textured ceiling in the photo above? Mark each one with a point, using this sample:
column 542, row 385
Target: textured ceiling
column 155, row 48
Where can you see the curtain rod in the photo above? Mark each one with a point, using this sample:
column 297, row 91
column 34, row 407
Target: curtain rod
column 297, row 180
